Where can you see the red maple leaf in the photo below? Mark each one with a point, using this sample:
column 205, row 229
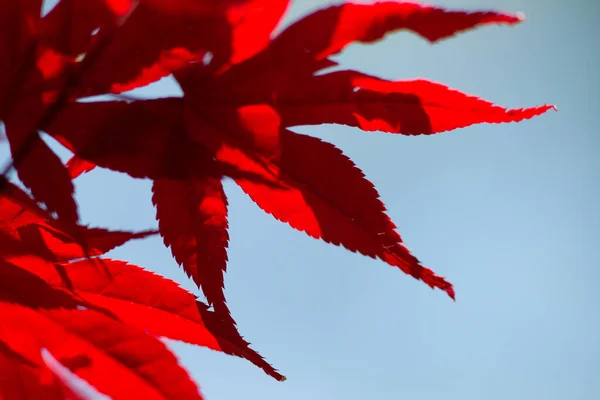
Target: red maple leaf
column 67, row 309
column 98, row 317
column 29, row 76
column 74, row 50
column 233, row 122
column 161, row 35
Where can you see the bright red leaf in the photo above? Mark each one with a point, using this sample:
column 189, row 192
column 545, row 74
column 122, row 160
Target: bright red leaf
column 66, row 309
column 136, row 296
column 238, row 119
column 99, row 318
column 145, row 300
column 115, row 358
column 372, row 104
column 78, row 166
column 16, row 368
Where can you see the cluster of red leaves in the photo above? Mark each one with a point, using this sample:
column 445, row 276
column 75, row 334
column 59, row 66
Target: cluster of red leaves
column 96, row 316
column 65, row 308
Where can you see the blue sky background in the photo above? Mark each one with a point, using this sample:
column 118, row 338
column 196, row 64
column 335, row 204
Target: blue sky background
column 508, row 213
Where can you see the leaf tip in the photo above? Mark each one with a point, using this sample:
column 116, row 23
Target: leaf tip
column 545, row 108
column 521, row 16
column 450, row 292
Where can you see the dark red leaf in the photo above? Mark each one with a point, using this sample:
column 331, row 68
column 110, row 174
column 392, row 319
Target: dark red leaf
column 305, row 46
column 348, row 23
column 142, row 138
column 192, row 216
column 103, row 240
column 33, row 76
column 165, row 36
column 145, row 139
column 42, row 171
column 18, row 21
column 71, row 27
column 339, row 206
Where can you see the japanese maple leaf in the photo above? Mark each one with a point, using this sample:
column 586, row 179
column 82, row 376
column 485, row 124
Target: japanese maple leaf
column 78, row 49
column 98, row 317
column 115, row 358
column 233, row 122
column 163, row 36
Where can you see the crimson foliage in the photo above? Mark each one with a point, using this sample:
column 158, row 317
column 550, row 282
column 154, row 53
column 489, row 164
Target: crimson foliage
column 68, row 310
